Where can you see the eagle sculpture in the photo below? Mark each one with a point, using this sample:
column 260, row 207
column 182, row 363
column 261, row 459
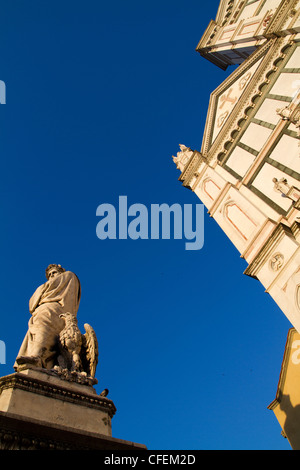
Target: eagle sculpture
column 78, row 353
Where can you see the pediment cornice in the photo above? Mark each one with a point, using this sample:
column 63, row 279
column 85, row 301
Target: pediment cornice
column 269, row 54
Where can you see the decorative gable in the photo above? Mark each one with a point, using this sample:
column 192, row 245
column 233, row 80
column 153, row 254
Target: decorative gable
column 229, row 97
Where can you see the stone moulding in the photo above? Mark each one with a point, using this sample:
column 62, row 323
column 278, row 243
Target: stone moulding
column 22, row 382
column 263, row 255
column 273, row 51
column 41, row 412
column 283, row 15
column 190, row 169
column 30, row 434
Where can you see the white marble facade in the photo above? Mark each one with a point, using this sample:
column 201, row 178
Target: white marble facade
column 247, row 172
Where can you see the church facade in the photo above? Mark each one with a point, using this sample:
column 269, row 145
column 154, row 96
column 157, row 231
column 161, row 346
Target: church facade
column 247, row 172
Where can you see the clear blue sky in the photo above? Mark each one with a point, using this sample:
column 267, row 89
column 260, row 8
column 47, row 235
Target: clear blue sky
column 99, row 95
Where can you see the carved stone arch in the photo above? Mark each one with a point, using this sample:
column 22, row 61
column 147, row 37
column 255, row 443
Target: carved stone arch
column 256, row 97
column 227, row 145
column 242, row 121
column 220, row 158
column 263, row 85
column 292, row 290
column 297, row 297
column 238, row 219
column 235, row 132
column 279, row 59
column 270, row 73
column 210, row 188
column 249, row 109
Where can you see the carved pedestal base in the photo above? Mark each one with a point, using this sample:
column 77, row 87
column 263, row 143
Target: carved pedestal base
column 38, row 410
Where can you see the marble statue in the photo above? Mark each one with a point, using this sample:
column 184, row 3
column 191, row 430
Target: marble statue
column 281, row 186
column 285, row 189
column 182, row 157
column 53, row 340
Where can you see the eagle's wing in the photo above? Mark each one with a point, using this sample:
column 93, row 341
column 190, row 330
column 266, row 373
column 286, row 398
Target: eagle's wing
column 89, row 350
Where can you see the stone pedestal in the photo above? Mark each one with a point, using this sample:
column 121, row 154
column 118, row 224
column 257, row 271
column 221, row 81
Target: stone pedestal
column 39, row 410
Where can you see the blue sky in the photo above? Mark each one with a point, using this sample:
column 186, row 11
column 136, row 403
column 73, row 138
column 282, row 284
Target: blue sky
column 99, row 96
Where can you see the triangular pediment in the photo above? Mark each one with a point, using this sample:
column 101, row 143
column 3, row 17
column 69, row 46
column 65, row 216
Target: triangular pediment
column 225, row 101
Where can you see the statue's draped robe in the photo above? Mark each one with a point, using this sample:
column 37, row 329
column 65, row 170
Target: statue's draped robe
column 58, row 295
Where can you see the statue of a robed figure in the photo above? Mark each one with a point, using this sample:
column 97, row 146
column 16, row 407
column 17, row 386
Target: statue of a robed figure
column 53, row 341
column 50, row 402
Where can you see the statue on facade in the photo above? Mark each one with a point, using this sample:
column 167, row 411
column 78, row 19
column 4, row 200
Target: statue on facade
column 291, row 112
column 286, row 190
column 53, row 341
column 182, row 157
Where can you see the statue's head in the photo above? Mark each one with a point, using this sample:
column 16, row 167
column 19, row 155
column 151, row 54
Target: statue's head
column 53, row 270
